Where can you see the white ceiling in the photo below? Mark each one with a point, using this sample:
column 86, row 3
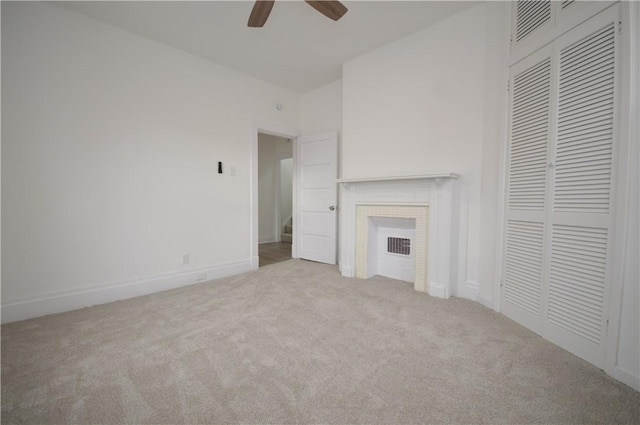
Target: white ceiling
column 298, row 48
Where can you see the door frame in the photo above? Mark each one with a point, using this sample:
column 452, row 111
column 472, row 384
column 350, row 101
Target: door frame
column 272, row 129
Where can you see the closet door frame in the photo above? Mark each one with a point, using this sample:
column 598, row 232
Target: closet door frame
column 628, row 130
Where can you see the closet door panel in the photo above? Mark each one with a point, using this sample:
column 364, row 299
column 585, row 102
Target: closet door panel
column 582, row 188
column 529, row 131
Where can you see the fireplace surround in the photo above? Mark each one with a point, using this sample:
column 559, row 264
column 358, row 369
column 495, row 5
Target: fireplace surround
column 366, row 215
column 431, row 200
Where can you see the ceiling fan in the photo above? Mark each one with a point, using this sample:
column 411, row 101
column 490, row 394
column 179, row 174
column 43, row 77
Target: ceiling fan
column 262, row 8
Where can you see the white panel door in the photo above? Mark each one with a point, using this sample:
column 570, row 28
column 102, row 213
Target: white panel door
column 316, row 159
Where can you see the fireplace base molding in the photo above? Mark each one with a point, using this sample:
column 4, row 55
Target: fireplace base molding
column 432, row 200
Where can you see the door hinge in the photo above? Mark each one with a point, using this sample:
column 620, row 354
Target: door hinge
column 619, row 27
column 508, row 86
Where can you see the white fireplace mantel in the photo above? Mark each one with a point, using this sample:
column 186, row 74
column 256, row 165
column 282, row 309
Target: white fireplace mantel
column 438, row 191
column 401, row 178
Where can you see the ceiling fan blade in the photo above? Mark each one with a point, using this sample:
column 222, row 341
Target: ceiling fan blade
column 260, row 13
column 331, row 9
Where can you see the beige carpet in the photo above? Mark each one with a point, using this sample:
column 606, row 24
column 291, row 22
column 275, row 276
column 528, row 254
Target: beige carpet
column 295, row 342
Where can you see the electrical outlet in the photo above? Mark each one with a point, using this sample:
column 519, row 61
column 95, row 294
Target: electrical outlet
column 201, row 276
column 185, row 259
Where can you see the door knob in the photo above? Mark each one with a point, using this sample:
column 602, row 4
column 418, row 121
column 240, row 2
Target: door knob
column 331, row 208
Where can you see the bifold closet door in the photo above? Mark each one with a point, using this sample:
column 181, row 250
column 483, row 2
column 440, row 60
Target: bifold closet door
column 560, row 187
column 580, row 211
column 530, row 130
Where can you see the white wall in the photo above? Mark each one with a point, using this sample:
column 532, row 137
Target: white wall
column 321, row 110
column 271, row 149
column 427, row 104
column 110, row 144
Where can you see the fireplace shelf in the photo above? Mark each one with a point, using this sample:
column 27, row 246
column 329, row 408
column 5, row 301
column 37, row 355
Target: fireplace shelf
column 396, row 178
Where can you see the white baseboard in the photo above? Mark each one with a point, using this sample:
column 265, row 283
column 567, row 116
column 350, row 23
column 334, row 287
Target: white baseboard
column 438, row 290
column 72, row 300
column 347, row 271
column 255, row 262
column 485, row 302
column 627, row 377
column 468, row 290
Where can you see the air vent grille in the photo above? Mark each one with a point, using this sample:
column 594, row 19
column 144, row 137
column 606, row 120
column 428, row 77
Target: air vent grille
column 531, row 15
column 400, row 246
column 566, row 3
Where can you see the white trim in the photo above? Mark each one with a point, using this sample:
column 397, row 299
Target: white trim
column 58, row 302
column 347, row 271
column 629, row 69
column 502, row 180
column 462, row 215
column 414, row 177
column 486, row 302
column 469, row 290
column 438, row 290
column 627, row 377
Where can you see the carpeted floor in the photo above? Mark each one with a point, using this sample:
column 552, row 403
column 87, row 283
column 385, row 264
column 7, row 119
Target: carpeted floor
column 295, row 342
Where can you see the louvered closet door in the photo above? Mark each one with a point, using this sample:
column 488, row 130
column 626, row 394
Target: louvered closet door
column 560, row 187
column 580, row 217
column 529, row 133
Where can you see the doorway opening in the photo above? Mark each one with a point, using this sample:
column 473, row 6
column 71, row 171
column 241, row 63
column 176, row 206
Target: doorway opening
column 275, row 198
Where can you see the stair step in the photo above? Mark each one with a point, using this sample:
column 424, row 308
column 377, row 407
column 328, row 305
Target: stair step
column 286, row 238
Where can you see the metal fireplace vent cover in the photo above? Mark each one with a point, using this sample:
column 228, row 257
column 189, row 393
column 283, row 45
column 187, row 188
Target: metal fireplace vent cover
column 400, row 246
